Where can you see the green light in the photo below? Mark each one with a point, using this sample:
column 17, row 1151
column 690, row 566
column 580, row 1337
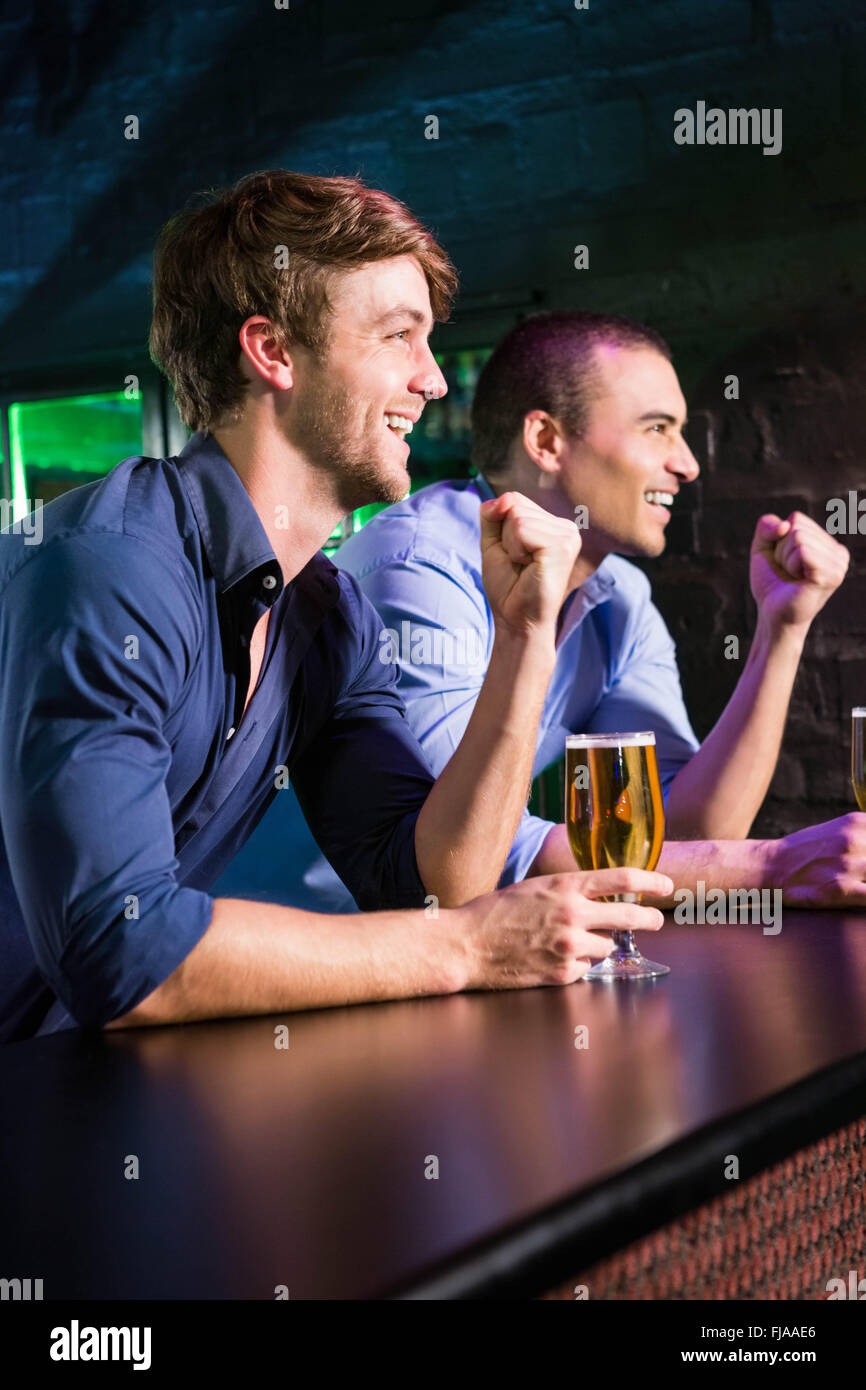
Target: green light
column 364, row 514
column 60, row 443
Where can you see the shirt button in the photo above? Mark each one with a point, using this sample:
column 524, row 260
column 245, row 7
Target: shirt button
column 269, row 582
column 244, row 639
column 229, row 734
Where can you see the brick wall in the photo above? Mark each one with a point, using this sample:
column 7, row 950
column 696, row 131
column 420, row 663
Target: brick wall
column 795, row 439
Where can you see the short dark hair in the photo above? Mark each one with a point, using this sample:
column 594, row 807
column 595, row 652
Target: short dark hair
column 215, row 266
column 546, row 362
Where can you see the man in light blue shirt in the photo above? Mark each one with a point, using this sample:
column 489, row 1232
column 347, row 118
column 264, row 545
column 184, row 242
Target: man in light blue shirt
column 583, row 413
column 616, row 663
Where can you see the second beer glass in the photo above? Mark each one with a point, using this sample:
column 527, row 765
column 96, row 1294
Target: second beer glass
column 858, row 755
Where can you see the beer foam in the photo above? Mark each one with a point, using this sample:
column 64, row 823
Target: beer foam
column 609, row 740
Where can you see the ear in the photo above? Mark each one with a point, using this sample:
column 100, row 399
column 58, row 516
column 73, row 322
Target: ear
column 543, row 442
column 262, row 354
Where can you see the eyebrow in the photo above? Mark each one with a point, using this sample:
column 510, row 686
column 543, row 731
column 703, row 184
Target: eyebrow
column 402, row 311
column 661, row 415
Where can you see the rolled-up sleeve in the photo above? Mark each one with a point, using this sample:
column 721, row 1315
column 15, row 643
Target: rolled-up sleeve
column 96, row 636
column 362, row 779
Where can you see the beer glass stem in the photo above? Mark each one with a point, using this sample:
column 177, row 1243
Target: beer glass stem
column 623, row 941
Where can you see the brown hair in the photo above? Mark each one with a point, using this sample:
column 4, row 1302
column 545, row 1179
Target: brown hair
column 546, row 362
column 214, row 267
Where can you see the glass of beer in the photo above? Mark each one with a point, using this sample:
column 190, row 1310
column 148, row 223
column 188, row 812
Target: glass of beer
column 858, row 766
column 615, row 817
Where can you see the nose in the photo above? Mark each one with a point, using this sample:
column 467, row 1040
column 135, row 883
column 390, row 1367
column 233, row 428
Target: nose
column 428, row 380
column 684, row 463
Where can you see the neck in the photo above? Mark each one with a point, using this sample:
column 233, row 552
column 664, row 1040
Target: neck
column 294, row 502
column 584, row 566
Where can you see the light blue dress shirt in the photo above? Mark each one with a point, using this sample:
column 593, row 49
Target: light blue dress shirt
column 419, row 563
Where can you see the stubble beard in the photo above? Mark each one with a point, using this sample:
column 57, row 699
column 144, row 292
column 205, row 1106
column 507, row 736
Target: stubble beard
column 330, row 433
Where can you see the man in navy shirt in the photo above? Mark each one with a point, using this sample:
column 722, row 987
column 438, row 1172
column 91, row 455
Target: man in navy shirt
column 175, row 649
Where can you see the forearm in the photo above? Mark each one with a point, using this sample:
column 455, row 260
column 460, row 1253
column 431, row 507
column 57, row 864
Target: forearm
column 718, row 793
column 466, row 826
column 261, row 958
column 717, row 863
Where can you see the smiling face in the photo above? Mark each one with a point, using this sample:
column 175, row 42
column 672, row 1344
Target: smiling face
column 631, row 460
column 351, row 411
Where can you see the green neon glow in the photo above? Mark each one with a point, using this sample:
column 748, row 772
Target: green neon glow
column 62, row 442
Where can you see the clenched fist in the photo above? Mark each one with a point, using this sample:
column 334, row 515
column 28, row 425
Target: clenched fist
column 527, row 556
column 795, row 567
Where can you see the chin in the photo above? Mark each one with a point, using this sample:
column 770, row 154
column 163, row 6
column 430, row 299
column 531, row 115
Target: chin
column 382, row 482
column 392, row 484
column 642, row 548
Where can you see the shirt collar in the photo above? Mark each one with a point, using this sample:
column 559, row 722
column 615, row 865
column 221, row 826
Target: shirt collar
column 483, row 487
column 600, row 584
column 233, row 536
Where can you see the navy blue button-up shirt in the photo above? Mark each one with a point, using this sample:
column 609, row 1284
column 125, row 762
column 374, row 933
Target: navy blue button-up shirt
column 130, row 774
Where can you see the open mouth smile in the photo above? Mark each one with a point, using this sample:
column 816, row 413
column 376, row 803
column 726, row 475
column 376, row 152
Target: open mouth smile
column 661, row 502
column 399, row 425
